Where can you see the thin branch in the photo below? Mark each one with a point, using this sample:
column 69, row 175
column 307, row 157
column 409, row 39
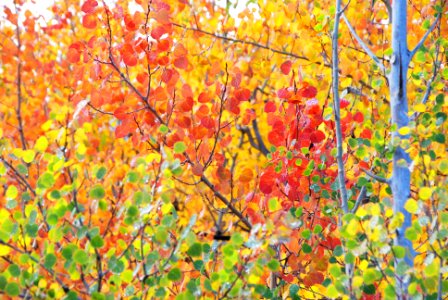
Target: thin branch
column 376, row 177
column 422, row 41
column 362, row 44
column 226, row 202
column 337, row 110
column 52, row 273
column 361, row 196
column 237, row 41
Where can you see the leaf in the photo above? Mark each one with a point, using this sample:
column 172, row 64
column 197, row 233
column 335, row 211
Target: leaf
column 412, row 206
column 89, row 6
column 12, row 289
column 80, row 257
column 97, row 192
column 97, row 242
column 41, row 144
column 267, row 181
column 286, row 67
column 175, row 274
column 308, row 91
column 195, row 250
column 179, row 147
column 50, row 260
column 11, row 192
column 181, row 62
column 425, row 193
column 89, row 21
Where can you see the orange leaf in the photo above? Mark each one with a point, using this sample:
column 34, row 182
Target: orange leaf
column 73, row 55
column 89, row 21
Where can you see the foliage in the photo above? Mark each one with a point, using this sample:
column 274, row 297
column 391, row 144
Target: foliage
column 170, row 149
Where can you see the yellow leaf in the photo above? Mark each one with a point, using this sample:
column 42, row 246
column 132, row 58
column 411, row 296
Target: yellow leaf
column 28, row 155
column 404, row 130
column 411, row 206
column 420, row 107
column 41, row 144
column 11, row 192
column 4, row 250
column 425, row 193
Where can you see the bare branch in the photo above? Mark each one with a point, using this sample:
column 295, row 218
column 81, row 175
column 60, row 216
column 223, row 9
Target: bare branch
column 238, row 41
column 52, row 273
column 422, row 41
column 361, row 196
column 363, row 45
column 226, row 202
column 376, row 177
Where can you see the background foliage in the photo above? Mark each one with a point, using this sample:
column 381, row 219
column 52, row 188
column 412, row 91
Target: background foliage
column 169, row 149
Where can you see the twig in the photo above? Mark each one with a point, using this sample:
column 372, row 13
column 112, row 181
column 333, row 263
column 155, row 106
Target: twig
column 52, row 273
column 237, row 41
column 361, row 196
column 226, row 202
column 423, row 39
column 362, row 44
column 376, row 177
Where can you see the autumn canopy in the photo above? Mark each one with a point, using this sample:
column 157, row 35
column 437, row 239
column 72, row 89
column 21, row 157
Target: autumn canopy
column 173, row 149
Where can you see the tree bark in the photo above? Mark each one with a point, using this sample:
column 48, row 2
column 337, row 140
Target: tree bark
column 401, row 175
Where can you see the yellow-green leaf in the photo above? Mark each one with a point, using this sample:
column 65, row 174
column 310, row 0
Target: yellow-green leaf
column 425, row 193
column 41, row 144
column 11, row 192
column 411, row 206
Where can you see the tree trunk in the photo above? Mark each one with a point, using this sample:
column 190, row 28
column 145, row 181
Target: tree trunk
column 401, row 175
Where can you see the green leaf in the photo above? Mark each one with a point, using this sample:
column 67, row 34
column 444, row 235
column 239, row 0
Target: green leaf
column 338, row 251
column 101, row 173
column 179, row 147
column 3, row 282
column 306, row 248
column 14, row 270
column 237, row 239
column 175, row 274
column 195, row 250
column 12, row 289
column 369, row 289
column 46, row 181
column 97, row 192
column 306, row 234
column 80, row 257
column 55, row 194
column 317, row 229
column 11, row 192
column 399, row 251
column 273, row 265
column 163, row 128
column 98, row 296
column 97, row 241
column 50, row 260
column 132, row 211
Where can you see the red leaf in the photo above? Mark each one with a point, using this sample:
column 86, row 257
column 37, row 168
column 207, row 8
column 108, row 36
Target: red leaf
column 308, row 91
column 89, row 6
column 130, row 58
column 122, row 130
column 208, row 122
column 317, row 136
column 73, row 55
column 163, row 45
column 197, row 169
column 366, row 134
column 358, row 117
column 129, row 22
column 270, row 107
column 344, row 103
column 267, row 182
column 89, row 21
column 286, row 67
column 236, row 81
column 204, row 97
column 121, row 113
column 242, row 94
column 157, row 32
column 284, row 93
column 181, row 62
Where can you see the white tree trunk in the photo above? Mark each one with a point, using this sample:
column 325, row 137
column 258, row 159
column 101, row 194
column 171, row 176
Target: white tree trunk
column 401, row 175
